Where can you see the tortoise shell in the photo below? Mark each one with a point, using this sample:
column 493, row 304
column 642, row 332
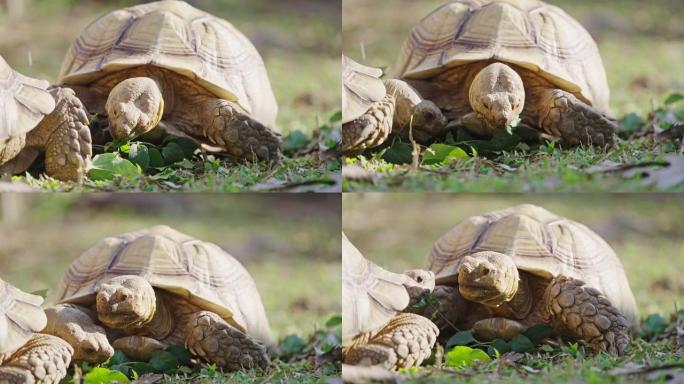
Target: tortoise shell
column 20, row 317
column 528, row 33
column 371, row 296
column 178, row 37
column 540, row 243
column 198, row 271
column 23, row 102
column 361, row 87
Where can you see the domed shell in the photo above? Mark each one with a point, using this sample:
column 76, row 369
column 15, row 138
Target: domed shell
column 361, row 87
column 199, row 271
column 20, row 317
column 371, row 296
column 24, row 102
column 540, row 243
column 176, row 36
column 528, row 33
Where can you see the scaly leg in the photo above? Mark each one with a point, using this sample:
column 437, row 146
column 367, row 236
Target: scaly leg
column 229, row 126
column 217, row 342
column 585, row 313
column 563, row 115
column 370, row 129
column 65, row 137
column 404, row 342
column 43, row 359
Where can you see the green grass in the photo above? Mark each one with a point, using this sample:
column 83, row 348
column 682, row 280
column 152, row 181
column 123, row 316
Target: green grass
column 288, row 243
column 300, row 45
column 645, row 230
column 642, row 51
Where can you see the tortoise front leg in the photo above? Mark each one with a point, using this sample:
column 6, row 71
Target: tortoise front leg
column 404, row 342
column 43, row 359
column 65, row 137
column 227, row 125
column 217, row 342
column 585, row 313
column 370, row 129
column 561, row 114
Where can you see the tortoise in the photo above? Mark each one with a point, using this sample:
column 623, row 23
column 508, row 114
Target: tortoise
column 169, row 65
column 375, row 330
column 27, row 356
column 157, row 287
column 368, row 108
column 492, row 64
column 504, row 271
column 33, row 119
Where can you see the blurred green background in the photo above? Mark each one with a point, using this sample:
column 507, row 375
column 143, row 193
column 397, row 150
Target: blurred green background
column 298, row 39
column 641, row 42
column 646, row 231
column 290, row 244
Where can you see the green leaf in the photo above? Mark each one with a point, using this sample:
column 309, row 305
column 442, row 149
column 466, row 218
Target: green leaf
column 292, row 344
column 41, row 292
column 398, row 153
column 654, row 324
column 139, row 155
column 337, row 116
column 156, row 158
column 631, row 122
column 521, row 343
column 460, row 338
column 163, row 362
column 462, row 356
column 334, row 321
column 187, row 145
column 104, row 376
column 673, row 98
column 442, row 153
column 140, row 368
column 181, row 354
column 295, row 141
column 172, row 153
column 118, row 358
column 106, row 166
column 500, row 346
column 538, row 332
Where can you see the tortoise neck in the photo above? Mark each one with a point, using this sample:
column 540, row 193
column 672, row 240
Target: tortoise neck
column 521, row 303
column 165, row 84
column 162, row 322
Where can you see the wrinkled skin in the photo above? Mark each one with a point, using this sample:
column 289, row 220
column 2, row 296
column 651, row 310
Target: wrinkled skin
column 135, row 106
column 497, row 96
column 489, row 278
column 125, row 302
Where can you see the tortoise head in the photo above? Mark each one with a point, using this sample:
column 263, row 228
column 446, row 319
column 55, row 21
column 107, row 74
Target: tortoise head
column 134, row 106
column 497, row 95
column 488, row 278
column 125, row 302
column 419, row 281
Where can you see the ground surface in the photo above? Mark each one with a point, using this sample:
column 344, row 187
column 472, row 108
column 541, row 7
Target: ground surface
column 645, row 231
column 290, row 246
column 642, row 48
column 299, row 43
